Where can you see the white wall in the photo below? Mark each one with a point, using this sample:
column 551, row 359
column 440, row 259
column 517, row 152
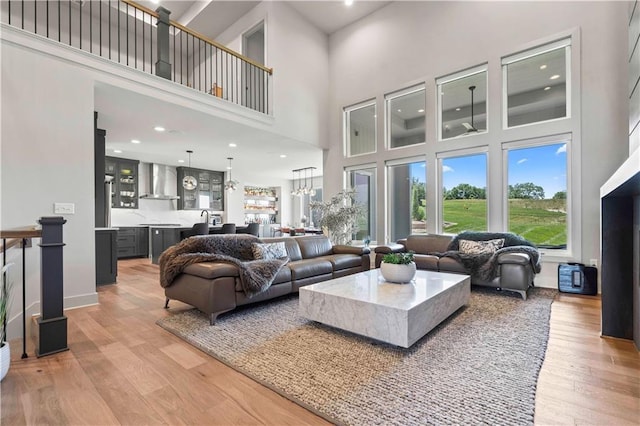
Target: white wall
column 47, row 157
column 298, row 54
column 411, row 42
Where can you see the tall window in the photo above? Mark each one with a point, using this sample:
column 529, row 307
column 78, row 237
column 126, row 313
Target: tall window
column 360, row 129
column 537, row 192
column 363, row 180
column 405, row 117
column 537, row 84
column 462, row 103
column 464, row 193
column 407, row 198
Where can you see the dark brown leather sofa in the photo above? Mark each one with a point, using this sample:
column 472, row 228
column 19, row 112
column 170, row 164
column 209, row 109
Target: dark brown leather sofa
column 515, row 271
column 214, row 287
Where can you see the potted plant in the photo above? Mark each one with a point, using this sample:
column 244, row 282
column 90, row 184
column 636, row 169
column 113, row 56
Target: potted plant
column 398, row 267
column 339, row 216
column 5, row 294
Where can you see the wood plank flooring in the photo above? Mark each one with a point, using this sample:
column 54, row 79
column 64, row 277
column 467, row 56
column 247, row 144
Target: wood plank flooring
column 123, row 369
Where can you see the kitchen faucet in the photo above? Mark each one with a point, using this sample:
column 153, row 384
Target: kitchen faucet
column 205, row 212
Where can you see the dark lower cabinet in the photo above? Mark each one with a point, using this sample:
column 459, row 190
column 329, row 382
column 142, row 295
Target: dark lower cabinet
column 106, row 258
column 133, row 242
column 161, row 239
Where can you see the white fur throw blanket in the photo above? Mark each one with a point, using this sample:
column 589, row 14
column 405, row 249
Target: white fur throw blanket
column 255, row 275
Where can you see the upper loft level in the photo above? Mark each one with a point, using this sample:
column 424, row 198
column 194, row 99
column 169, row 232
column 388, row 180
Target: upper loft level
column 149, row 41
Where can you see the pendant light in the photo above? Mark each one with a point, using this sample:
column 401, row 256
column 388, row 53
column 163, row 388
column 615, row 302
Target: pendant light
column 312, row 190
column 189, row 182
column 230, row 185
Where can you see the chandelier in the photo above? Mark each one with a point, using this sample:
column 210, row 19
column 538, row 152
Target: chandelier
column 302, row 189
column 189, row 182
column 230, row 185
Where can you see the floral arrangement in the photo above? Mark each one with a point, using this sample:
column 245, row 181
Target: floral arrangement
column 339, row 216
column 398, row 258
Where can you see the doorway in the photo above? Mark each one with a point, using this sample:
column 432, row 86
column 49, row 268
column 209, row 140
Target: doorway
column 254, row 79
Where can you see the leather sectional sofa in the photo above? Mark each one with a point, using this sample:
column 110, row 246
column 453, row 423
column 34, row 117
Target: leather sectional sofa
column 515, row 265
column 215, row 288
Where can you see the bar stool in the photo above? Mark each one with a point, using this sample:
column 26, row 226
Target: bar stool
column 228, row 228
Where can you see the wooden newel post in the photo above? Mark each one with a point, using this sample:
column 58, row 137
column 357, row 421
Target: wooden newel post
column 52, row 324
column 163, row 65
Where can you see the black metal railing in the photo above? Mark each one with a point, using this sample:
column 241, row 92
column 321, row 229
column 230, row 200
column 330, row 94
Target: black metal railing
column 146, row 40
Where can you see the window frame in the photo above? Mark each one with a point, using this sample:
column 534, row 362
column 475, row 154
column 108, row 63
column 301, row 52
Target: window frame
column 564, row 43
column 346, row 126
column 347, row 185
column 387, row 201
column 453, row 77
column 387, row 114
column 532, row 143
column 476, row 150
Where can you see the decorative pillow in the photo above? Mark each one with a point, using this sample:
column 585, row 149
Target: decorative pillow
column 480, row 247
column 269, row 250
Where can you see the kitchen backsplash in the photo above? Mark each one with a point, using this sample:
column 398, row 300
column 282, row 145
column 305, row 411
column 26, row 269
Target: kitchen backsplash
column 155, row 211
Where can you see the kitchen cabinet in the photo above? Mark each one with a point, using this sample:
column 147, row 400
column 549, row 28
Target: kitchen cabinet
column 162, row 239
column 125, row 182
column 133, row 242
column 208, row 193
column 106, row 260
column 261, row 204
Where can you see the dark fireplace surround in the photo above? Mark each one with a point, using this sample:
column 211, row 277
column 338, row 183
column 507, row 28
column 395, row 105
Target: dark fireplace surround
column 620, row 239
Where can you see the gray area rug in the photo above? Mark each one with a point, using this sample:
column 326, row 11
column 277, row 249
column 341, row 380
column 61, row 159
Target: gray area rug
column 480, row 366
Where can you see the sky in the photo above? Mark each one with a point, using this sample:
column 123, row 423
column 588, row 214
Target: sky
column 545, row 166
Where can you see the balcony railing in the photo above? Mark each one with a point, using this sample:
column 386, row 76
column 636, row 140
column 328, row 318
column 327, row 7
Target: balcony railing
column 147, row 40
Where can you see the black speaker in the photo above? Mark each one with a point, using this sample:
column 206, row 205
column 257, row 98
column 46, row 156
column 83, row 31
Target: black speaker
column 577, row 278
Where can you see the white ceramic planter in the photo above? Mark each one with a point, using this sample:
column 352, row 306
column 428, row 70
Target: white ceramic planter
column 398, row 273
column 5, row 360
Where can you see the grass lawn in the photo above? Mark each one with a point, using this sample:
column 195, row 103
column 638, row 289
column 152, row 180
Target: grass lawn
column 543, row 222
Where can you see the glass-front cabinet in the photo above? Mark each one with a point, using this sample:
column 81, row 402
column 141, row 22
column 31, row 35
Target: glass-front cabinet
column 200, row 189
column 124, row 192
column 261, row 204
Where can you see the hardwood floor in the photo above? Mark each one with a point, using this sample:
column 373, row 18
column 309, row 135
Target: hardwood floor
column 123, row 369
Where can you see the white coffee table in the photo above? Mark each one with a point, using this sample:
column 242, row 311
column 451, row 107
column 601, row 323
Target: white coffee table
column 399, row 314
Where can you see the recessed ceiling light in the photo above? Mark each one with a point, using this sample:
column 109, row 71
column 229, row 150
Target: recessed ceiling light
column 283, row 155
column 399, row 110
column 543, row 67
column 232, row 145
column 159, row 129
column 420, row 110
column 348, row 2
column 117, row 151
column 457, row 109
column 555, row 76
column 180, row 161
column 547, row 88
column 135, row 141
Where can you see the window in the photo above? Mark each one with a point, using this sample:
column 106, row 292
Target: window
column 360, row 129
column 363, row 180
column 407, row 198
column 462, row 103
column 537, row 192
column 537, row 84
column 405, row 117
column 464, row 193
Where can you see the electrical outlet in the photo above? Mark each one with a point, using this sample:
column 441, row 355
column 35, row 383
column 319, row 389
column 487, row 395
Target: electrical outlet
column 594, row 263
column 64, row 208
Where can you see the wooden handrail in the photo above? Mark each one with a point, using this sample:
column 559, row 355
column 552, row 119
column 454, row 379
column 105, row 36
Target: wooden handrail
column 13, row 237
column 201, row 37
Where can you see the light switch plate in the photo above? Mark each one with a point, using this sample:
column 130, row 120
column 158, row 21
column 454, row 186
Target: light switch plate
column 64, row 208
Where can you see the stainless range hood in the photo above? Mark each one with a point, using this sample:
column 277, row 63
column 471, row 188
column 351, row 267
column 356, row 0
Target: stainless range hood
column 158, row 182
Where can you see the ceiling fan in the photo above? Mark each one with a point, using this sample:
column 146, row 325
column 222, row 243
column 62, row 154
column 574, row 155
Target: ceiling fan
column 470, row 127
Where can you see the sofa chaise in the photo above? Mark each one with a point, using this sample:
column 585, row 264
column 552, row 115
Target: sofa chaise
column 501, row 260
column 216, row 274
